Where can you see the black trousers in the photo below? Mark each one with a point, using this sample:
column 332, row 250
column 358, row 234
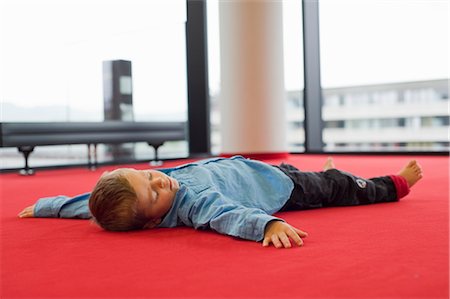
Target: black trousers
column 335, row 188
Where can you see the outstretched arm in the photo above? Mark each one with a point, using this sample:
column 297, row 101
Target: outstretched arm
column 59, row 207
column 226, row 217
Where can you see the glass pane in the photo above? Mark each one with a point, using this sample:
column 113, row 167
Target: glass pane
column 212, row 12
column 52, row 55
column 293, row 72
column 384, row 68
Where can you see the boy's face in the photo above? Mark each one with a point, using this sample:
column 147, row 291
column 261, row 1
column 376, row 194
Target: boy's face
column 155, row 192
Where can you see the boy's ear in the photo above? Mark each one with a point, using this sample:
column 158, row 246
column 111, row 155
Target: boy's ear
column 152, row 223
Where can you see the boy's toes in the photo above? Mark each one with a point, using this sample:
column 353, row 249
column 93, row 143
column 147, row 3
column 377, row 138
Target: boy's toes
column 412, row 163
column 418, row 168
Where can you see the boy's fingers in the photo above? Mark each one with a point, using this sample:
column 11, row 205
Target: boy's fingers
column 294, row 236
column 27, row 212
column 276, row 242
column 285, row 240
column 301, row 233
column 266, row 242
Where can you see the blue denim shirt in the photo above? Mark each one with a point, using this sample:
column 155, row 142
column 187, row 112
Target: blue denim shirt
column 234, row 196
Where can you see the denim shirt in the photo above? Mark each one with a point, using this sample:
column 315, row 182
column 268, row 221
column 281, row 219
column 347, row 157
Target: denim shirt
column 234, row 196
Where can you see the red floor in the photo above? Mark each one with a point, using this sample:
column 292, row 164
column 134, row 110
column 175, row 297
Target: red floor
column 394, row 250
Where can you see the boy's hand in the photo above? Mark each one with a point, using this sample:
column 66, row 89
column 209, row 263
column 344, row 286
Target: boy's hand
column 27, row 212
column 279, row 234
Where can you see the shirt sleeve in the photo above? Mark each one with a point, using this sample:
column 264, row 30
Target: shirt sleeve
column 63, row 207
column 228, row 218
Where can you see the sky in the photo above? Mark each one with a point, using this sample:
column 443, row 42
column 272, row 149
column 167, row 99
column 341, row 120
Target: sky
column 51, row 53
column 369, row 42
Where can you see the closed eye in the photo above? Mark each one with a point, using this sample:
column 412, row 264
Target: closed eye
column 155, row 193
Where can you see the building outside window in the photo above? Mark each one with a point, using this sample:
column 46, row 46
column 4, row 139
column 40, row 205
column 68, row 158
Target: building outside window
column 385, row 76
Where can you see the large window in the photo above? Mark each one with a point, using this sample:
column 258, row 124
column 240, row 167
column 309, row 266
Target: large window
column 384, row 70
column 51, row 59
column 293, row 70
column 385, row 76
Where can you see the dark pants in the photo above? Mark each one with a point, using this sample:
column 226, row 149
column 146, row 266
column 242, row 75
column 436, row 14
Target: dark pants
column 335, row 188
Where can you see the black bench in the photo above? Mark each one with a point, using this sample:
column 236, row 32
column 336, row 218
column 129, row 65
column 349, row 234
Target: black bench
column 25, row 136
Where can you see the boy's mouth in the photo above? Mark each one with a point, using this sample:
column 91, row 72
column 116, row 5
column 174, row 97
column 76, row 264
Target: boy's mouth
column 173, row 184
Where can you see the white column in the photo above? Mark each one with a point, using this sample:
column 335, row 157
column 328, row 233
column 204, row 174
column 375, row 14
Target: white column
column 252, row 96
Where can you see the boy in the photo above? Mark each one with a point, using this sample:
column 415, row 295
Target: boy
column 234, row 196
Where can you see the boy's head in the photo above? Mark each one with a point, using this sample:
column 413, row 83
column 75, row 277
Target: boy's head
column 127, row 199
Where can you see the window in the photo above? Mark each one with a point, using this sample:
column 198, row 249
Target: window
column 384, row 68
column 51, row 61
column 293, row 71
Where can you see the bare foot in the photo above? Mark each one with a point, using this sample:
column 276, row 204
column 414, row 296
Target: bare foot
column 412, row 172
column 329, row 164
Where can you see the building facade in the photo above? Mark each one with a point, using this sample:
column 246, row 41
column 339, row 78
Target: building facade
column 409, row 116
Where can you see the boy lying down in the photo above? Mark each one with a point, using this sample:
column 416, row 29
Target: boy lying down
column 233, row 196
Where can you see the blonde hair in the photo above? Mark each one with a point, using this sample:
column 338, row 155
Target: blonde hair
column 113, row 204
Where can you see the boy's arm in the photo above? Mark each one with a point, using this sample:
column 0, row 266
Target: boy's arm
column 59, row 207
column 248, row 223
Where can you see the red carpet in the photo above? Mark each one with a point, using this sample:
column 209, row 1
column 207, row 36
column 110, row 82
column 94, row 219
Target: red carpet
column 393, row 250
